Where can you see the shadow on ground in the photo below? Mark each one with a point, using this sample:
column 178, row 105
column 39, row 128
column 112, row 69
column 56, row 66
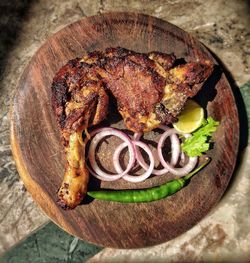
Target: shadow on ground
column 241, row 100
column 12, row 15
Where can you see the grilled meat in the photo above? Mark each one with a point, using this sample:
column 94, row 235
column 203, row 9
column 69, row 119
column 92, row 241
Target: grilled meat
column 79, row 100
column 149, row 91
column 133, row 76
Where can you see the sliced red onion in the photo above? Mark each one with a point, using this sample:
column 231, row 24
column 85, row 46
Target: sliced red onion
column 137, row 136
column 137, row 178
column 183, row 157
column 176, row 171
column 100, row 134
column 101, row 177
column 175, row 150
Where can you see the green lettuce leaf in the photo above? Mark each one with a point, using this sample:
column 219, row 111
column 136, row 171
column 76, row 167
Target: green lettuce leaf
column 199, row 142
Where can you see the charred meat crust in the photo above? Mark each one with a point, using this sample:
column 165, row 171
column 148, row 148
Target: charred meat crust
column 67, row 75
column 63, row 194
column 134, row 80
column 67, row 85
column 165, row 60
column 163, row 114
column 127, row 79
column 148, row 88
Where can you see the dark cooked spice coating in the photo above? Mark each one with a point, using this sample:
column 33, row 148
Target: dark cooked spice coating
column 165, row 60
column 149, row 90
column 136, row 87
column 68, row 86
column 66, row 76
column 136, row 80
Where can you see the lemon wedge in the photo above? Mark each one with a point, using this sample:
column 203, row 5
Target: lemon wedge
column 190, row 118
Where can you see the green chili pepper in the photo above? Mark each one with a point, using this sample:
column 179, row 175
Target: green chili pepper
column 146, row 195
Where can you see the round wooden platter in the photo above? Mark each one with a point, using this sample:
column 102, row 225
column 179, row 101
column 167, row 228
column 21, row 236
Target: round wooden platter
column 38, row 152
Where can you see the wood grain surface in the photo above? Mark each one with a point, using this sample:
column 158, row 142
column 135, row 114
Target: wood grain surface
column 39, row 157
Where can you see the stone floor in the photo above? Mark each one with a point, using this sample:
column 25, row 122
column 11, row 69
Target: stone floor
column 50, row 244
column 221, row 25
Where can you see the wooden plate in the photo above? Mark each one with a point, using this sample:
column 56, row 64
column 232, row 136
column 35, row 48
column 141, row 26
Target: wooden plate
column 38, row 152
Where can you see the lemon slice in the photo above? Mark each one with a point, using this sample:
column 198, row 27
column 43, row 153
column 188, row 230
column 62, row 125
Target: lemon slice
column 190, row 118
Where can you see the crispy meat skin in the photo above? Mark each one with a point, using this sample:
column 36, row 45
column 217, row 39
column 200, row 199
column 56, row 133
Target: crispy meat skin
column 79, row 100
column 136, row 85
column 77, row 83
column 149, row 91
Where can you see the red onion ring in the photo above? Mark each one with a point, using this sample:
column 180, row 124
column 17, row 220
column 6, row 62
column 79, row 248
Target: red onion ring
column 175, row 149
column 103, row 132
column 100, row 177
column 176, row 171
column 128, row 177
column 183, row 157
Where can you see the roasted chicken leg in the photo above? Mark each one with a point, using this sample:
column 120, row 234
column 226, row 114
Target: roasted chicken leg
column 149, row 90
column 79, row 100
